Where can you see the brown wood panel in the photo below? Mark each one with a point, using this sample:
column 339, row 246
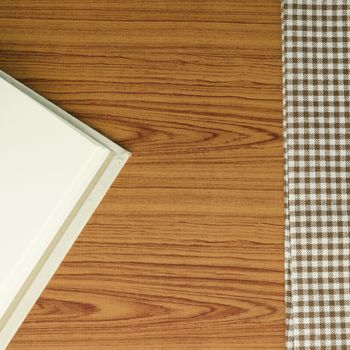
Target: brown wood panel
column 186, row 250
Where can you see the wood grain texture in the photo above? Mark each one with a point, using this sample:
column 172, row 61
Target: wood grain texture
column 186, row 250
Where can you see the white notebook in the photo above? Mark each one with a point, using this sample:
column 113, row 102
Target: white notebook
column 54, row 171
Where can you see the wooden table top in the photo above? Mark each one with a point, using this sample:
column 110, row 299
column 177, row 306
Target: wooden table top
column 186, row 250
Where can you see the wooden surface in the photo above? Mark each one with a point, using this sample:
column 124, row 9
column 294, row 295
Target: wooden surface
column 186, row 250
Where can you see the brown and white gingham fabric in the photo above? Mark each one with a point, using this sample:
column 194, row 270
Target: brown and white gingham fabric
column 316, row 62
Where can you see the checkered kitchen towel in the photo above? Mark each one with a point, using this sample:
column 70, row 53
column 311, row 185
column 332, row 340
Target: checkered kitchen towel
column 316, row 61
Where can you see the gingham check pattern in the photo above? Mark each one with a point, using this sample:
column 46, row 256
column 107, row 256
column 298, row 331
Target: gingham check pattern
column 316, row 62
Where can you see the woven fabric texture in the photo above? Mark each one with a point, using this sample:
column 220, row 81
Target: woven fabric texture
column 316, row 62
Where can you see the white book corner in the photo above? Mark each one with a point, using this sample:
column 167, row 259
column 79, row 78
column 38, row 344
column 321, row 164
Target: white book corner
column 54, row 172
